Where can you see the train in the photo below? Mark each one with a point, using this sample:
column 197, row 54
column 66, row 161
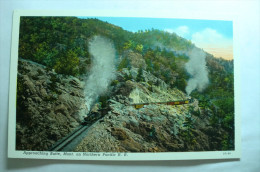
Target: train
column 94, row 116
column 175, row 102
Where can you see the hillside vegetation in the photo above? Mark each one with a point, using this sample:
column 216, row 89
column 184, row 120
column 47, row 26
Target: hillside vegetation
column 152, row 60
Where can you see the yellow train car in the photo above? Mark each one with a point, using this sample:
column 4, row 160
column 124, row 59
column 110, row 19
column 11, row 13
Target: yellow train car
column 139, row 106
column 178, row 102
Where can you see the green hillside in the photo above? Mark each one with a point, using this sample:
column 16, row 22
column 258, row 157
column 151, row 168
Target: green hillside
column 61, row 43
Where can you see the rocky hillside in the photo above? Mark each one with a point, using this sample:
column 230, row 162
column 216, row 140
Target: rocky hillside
column 49, row 106
column 153, row 128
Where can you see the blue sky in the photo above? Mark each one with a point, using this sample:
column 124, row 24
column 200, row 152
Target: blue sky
column 214, row 36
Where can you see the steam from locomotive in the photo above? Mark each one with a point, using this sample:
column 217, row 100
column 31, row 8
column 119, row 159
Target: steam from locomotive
column 196, row 67
column 102, row 71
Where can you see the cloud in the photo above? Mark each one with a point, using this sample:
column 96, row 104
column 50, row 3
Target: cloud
column 208, row 36
column 169, row 30
column 214, row 42
column 181, row 31
column 208, row 39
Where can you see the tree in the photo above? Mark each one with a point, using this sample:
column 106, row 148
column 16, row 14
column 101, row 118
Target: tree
column 139, row 48
column 123, row 64
column 128, row 77
column 128, row 45
column 68, row 65
column 181, row 84
column 139, row 77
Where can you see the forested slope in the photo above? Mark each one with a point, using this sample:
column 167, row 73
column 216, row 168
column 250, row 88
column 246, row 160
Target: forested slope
column 61, row 44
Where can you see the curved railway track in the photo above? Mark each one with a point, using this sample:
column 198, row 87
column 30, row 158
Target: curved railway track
column 64, row 143
column 69, row 142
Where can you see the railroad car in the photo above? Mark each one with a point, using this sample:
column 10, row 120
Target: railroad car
column 176, row 102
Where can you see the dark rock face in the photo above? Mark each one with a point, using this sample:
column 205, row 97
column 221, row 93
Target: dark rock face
column 49, row 106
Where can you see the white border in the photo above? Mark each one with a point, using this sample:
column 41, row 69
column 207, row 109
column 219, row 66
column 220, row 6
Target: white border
column 12, row 153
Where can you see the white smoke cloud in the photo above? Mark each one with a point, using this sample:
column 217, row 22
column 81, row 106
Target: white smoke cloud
column 103, row 68
column 196, row 67
column 181, row 31
column 167, row 48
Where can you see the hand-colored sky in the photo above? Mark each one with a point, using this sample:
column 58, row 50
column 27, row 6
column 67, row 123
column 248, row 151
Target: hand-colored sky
column 214, row 36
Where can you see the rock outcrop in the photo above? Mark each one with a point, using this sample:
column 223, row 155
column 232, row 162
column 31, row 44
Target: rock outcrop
column 49, row 106
column 153, row 128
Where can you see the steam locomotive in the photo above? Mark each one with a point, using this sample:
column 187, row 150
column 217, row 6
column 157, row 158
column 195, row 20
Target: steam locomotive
column 94, row 116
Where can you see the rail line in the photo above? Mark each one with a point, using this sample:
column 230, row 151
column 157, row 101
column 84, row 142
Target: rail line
column 64, row 142
column 70, row 141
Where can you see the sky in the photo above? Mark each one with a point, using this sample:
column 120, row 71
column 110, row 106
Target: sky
column 213, row 36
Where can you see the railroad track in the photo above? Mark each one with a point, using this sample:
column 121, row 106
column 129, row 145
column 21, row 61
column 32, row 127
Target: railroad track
column 69, row 142
column 64, row 143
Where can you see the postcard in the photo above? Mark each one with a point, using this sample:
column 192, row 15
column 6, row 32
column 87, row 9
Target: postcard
column 92, row 86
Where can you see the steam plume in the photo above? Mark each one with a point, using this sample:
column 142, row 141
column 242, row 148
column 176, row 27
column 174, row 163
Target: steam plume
column 170, row 49
column 103, row 68
column 196, row 67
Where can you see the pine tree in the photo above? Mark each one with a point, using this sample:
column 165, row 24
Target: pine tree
column 139, row 77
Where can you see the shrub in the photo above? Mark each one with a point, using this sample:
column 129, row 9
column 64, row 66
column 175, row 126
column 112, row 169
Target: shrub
column 123, row 64
column 114, row 82
column 68, row 65
column 139, row 77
